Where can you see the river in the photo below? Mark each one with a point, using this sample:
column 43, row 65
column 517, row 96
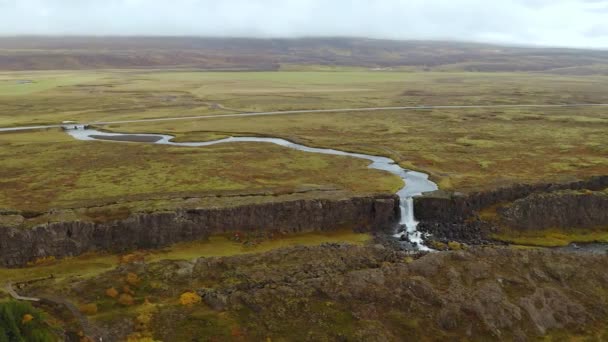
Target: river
column 416, row 183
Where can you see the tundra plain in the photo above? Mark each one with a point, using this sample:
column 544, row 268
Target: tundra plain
column 338, row 283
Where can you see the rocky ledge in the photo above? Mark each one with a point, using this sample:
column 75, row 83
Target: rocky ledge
column 159, row 229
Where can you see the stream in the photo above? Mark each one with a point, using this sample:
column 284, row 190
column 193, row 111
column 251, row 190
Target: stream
column 416, row 183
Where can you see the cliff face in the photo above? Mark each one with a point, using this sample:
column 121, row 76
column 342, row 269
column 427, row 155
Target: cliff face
column 558, row 210
column 453, row 217
column 18, row 246
column 457, row 208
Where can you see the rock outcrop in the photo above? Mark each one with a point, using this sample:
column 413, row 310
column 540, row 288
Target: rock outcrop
column 154, row 230
column 339, row 292
column 564, row 209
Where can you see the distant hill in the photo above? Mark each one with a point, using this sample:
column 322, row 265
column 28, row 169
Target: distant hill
column 45, row 53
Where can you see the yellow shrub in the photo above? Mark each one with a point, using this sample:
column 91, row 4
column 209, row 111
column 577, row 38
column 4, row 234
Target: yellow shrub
column 143, row 319
column 455, row 246
column 189, row 298
column 145, row 312
column 132, row 279
column 440, row 246
column 88, row 309
column 139, row 337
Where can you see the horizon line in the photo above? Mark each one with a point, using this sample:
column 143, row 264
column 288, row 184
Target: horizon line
column 303, row 37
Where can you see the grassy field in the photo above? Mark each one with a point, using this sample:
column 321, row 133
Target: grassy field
column 55, row 96
column 50, row 170
column 552, row 237
column 463, row 149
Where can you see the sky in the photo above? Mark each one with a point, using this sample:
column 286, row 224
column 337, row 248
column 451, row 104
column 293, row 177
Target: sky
column 569, row 23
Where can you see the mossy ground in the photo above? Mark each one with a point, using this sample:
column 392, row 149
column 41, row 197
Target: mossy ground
column 89, row 265
column 552, row 237
column 50, row 170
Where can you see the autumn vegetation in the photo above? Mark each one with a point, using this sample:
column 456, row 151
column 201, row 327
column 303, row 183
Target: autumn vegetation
column 261, row 292
column 20, row 322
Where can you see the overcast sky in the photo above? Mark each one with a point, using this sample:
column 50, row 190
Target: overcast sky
column 575, row 23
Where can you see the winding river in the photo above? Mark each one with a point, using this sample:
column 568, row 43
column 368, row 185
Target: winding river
column 416, row 183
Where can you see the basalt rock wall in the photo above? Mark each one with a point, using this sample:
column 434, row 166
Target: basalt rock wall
column 459, row 207
column 154, row 230
column 454, row 217
column 558, row 210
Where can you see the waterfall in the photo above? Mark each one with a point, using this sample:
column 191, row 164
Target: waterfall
column 408, row 219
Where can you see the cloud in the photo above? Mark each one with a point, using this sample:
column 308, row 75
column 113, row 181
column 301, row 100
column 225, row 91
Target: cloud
column 573, row 23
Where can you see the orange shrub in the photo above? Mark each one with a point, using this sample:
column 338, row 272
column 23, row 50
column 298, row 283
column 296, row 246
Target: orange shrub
column 126, row 299
column 112, row 292
column 42, row 261
column 132, row 258
column 26, row 319
column 127, row 289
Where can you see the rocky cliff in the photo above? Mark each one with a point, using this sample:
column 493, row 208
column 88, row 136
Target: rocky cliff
column 564, row 209
column 458, row 207
column 153, row 230
column 453, row 217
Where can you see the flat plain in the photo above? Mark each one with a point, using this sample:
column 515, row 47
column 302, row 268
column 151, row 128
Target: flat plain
column 462, row 149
